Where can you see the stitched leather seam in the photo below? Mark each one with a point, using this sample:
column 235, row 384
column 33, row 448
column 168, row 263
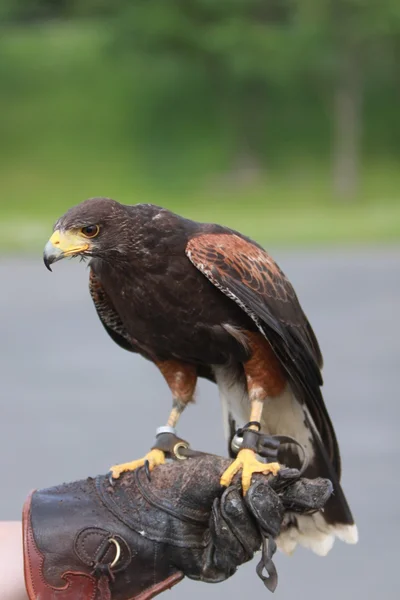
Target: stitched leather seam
column 114, row 509
column 80, row 543
column 29, row 530
column 154, row 501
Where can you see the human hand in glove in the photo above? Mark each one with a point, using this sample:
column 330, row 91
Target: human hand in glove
column 143, row 533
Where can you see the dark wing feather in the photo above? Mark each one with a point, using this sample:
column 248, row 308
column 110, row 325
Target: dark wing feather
column 244, row 272
column 108, row 315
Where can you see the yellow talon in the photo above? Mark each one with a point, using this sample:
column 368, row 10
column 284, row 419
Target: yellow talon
column 155, row 457
column 246, row 460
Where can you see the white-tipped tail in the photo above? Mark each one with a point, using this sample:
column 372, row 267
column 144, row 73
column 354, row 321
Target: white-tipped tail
column 314, row 533
column 347, row 533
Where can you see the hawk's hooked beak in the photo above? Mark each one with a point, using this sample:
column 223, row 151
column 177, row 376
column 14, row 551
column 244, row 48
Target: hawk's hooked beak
column 63, row 244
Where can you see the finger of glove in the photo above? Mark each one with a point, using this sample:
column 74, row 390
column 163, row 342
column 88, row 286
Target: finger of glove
column 266, row 506
column 306, row 495
column 228, row 551
column 239, row 520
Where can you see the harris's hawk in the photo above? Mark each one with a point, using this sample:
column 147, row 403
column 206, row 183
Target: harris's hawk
column 203, row 300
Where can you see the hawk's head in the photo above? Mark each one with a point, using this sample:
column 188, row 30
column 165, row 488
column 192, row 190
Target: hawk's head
column 94, row 228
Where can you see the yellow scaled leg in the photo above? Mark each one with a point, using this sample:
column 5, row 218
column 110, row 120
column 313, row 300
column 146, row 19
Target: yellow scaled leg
column 246, row 460
column 155, row 457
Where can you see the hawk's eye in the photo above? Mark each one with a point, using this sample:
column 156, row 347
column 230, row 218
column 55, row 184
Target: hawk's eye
column 90, row 231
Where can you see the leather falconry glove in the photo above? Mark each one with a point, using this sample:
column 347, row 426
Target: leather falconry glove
column 140, row 536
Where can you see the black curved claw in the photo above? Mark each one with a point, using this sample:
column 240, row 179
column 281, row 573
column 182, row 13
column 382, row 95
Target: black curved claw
column 147, row 469
column 111, row 479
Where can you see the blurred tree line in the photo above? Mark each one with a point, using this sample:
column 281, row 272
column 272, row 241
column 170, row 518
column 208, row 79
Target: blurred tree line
column 272, row 79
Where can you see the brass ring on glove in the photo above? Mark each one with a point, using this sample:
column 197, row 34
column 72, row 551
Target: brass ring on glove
column 117, row 551
column 176, row 450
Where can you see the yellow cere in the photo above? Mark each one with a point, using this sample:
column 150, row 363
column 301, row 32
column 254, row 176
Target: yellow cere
column 69, row 242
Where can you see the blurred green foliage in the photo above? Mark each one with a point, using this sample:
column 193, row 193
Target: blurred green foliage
column 277, row 117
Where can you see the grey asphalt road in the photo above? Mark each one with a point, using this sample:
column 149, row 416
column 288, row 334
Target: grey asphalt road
column 72, row 403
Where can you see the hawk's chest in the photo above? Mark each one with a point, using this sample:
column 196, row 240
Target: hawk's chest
column 168, row 301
